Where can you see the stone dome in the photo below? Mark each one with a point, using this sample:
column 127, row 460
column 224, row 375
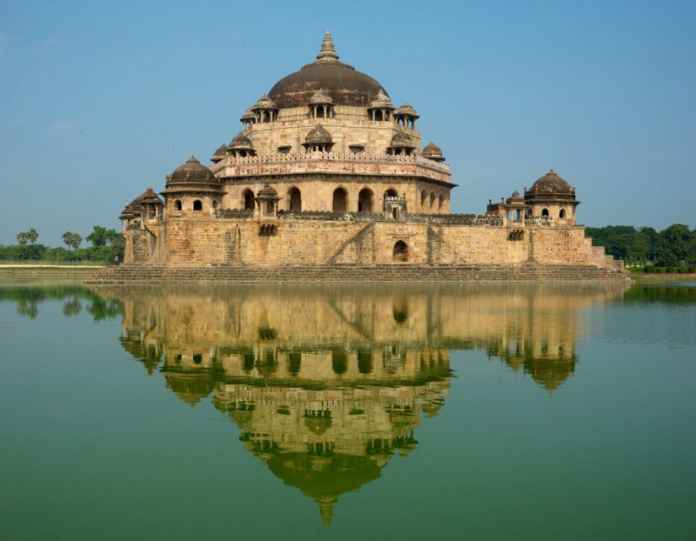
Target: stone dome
column 241, row 142
column 264, row 102
column 318, row 136
column 149, row 197
column 343, row 83
column 551, row 183
column 433, row 152
column 407, row 110
column 382, row 101
column 219, row 154
column 401, row 140
column 191, row 172
column 267, row 192
column 247, row 116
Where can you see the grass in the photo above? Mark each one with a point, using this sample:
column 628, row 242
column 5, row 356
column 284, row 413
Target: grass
column 44, row 264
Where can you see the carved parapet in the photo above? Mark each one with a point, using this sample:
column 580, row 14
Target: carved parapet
column 332, row 163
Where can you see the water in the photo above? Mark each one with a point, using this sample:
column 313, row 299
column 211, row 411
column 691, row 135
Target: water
column 348, row 413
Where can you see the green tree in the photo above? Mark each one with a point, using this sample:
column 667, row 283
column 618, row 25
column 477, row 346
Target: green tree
column 72, row 240
column 28, row 237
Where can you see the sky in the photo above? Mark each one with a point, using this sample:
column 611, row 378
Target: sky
column 100, row 100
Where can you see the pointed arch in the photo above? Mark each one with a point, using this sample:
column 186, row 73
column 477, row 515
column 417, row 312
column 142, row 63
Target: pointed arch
column 365, row 200
column 248, row 199
column 340, row 200
column 295, row 199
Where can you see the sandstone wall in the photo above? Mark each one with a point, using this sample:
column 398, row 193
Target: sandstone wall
column 301, row 242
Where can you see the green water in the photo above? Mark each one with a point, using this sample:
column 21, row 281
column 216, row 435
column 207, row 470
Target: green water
column 348, row 413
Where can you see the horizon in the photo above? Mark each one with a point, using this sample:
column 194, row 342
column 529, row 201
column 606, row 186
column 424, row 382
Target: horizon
column 102, row 102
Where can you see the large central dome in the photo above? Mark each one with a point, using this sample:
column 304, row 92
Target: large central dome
column 343, row 83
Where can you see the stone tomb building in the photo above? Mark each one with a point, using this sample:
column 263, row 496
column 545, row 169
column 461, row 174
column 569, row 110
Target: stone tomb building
column 328, row 171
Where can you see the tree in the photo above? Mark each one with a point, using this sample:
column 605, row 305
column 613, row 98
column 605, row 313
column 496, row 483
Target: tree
column 72, row 240
column 101, row 236
column 29, row 237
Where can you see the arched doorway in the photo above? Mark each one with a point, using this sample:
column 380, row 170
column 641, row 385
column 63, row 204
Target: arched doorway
column 400, row 251
column 340, row 200
column 365, row 200
column 562, row 214
column 197, row 205
column 248, row 200
column 545, row 213
column 295, row 198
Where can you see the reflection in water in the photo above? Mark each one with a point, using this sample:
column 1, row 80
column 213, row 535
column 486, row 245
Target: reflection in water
column 326, row 385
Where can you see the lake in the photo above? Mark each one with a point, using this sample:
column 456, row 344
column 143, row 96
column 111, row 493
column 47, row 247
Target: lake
column 506, row 412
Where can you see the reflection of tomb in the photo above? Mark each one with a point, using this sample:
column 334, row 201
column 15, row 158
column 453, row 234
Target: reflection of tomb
column 326, row 385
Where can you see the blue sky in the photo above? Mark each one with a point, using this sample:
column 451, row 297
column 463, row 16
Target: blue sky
column 99, row 100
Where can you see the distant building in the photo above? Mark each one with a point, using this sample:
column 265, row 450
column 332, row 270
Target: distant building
column 326, row 170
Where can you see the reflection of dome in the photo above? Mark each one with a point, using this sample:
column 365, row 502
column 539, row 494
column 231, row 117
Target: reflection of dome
column 324, row 478
column 318, row 425
column 550, row 373
column 343, row 83
column 189, row 387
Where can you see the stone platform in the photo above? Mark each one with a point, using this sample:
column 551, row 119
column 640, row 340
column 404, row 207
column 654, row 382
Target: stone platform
column 150, row 274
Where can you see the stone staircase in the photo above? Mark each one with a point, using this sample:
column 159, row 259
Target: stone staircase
column 147, row 274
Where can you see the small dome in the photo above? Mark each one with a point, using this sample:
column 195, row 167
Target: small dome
column 219, row 154
column 318, row 136
column 264, row 102
column 516, row 195
column 149, row 197
column 248, row 115
column 135, row 207
column 192, row 172
column 401, row 140
column 382, row 101
column 433, row 152
column 267, row 192
column 407, row 110
column 241, row 142
column 551, row 183
column 320, row 97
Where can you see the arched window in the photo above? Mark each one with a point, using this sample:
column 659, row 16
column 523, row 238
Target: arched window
column 400, row 251
column 339, row 360
column 545, row 213
column 248, row 200
column 197, row 358
column 177, row 204
column 215, row 204
column 562, row 214
column 424, row 198
column 340, row 200
column 440, row 201
column 365, row 200
column 294, row 362
column 432, row 200
column 197, row 205
column 364, row 361
column 295, row 198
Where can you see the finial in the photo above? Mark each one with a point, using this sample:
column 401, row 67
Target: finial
column 328, row 51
